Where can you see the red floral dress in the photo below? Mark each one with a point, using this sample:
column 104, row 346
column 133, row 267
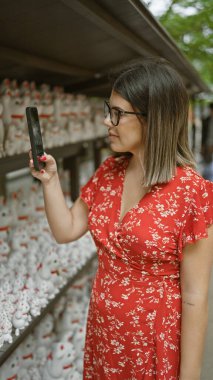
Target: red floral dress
column 133, row 329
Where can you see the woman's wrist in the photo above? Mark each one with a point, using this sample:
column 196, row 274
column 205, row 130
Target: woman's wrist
column 50, row 180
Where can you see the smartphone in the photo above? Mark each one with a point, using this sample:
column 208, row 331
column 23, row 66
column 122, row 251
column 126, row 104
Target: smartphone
column 35, row 136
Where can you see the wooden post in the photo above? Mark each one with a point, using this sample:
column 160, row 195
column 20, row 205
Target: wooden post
column 73, row 165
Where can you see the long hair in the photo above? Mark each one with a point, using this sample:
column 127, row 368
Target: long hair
column 152, row 86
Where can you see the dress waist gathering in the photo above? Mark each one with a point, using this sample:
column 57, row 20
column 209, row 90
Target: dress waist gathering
column 146, row 271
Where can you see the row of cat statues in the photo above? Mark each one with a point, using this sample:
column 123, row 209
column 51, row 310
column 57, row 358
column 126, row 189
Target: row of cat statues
column 55, row 349
column 64, row 117
column 33, row 267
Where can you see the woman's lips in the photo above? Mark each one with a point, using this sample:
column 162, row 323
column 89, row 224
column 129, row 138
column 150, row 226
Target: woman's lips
column 111, row 135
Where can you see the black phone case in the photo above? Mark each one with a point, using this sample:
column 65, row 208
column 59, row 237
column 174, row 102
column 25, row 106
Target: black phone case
column 35, row 136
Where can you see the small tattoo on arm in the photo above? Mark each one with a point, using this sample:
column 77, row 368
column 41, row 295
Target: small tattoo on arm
column 188, row 303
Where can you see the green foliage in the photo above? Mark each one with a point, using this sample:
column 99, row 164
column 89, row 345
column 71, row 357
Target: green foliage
column 190, row 23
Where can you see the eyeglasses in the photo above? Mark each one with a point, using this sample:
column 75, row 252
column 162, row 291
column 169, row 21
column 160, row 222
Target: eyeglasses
column 116, row 113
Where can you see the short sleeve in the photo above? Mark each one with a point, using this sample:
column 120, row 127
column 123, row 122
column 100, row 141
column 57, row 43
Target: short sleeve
column 88, row 191
column 199, row 215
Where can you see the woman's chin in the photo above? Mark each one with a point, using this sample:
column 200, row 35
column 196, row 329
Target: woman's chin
column 115, row 148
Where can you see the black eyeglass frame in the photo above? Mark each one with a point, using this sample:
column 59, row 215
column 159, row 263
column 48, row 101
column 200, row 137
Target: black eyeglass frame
column 120, row 113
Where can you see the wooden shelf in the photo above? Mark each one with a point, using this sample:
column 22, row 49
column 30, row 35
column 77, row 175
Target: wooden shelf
column 20, row 161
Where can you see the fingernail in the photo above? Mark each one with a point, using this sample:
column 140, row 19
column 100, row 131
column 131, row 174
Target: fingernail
column 31, row 162
column 42, row 171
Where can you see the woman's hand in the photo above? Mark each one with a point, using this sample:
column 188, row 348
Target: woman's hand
column 47, row 173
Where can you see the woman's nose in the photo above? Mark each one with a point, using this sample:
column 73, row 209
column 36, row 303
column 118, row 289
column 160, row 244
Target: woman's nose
column 107, row 121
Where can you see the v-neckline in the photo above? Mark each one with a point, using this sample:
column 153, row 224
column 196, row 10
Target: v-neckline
column 123, row 176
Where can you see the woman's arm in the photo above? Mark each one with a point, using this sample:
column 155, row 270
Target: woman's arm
column 66, row 224
column 195, row 276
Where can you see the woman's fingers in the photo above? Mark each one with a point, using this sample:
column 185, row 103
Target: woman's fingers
column 30, row 153
column 48, row 171
column 31, row 164
column 47, row 158
column 34, row 172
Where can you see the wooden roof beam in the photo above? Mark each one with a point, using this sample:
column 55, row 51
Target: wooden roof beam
column 41, row 63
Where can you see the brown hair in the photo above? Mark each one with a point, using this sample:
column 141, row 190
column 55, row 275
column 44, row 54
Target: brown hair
column 152, row 86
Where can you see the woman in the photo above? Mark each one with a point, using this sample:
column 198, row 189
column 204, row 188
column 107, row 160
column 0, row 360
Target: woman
column 148, row 309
